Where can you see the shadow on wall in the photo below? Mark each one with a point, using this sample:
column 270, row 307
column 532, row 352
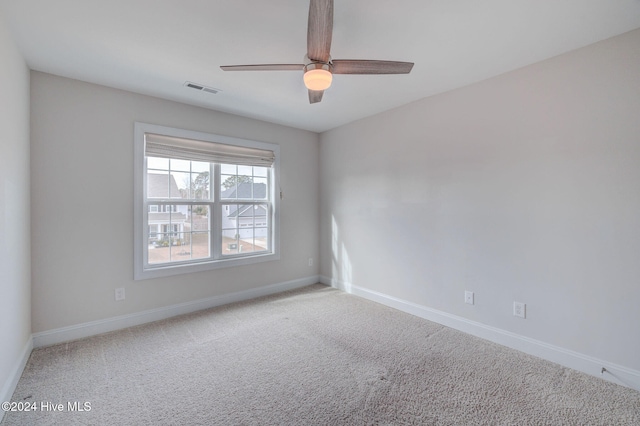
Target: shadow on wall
column 340, row 263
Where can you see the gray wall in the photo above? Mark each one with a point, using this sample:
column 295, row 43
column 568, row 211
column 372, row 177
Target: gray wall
column 15, row 284
column 82, row 203
column 523, row 187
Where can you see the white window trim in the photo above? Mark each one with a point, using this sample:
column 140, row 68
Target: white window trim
column 141, row 272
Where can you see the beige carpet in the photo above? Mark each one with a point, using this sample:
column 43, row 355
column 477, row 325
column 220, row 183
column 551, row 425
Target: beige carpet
column 314, row 356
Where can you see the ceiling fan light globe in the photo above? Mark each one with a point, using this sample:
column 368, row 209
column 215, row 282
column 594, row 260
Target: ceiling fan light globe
column 317, row 79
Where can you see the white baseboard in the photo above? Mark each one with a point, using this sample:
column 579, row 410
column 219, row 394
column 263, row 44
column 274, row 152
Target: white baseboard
column 12, row 381
column 79, row 331
column 565, row 357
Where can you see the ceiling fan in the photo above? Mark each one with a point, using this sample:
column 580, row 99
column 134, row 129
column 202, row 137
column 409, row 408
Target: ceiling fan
column 318, row 65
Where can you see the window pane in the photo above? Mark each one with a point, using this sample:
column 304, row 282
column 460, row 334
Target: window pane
column 245, row 187
column 158, row 249
column 180, row 249
column 261, row 214
column 157, row 185
column 229, row 216
column 200, row 235
column 236, row 186
column 237, row 182
column 180, row 165
column 179, row 185
column 178, row 221
column 260, row 188
column 245, row 215
column 157, row 163
column 245, row 227
column 200, row 186
column 228, row 169
column 260, row 171
column 199, row 166
column 178, row 233
column 228, row 187
column 154, row 234
column 200, row 244
column 230, row 243
column 261, row 227
column 261, row 240
column 245, row 170
column 199, row 218
column 246, row 240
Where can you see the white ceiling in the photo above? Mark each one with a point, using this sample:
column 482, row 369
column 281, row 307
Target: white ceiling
column 154, row 46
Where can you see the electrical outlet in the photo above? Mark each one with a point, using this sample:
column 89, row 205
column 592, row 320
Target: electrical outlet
column 468, row 297
column 519, row 309
column 311, row 261
column 119, row 294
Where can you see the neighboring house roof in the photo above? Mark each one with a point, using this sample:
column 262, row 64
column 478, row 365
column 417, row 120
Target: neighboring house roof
column 246, row 211
column 156, row 217
column 158, row 187
column 244, row 191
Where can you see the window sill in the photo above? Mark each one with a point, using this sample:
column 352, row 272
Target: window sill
column 172, row 270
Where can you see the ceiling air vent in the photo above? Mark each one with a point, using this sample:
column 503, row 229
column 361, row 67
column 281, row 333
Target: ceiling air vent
column 201, row 87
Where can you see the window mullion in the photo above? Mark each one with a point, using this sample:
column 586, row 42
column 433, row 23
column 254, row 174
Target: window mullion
column 216, row 214
column 273, row 192
column 145, row 214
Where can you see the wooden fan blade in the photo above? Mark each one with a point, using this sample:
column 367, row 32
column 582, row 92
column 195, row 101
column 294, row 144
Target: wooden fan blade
column 319, row 30
column 264, row 67
column 315, row 96
column 355, row 66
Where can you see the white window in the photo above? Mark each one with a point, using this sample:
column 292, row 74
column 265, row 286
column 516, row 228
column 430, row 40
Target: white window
column 153, row 232
column 203, row 201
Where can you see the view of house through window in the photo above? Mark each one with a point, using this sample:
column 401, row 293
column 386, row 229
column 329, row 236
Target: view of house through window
column 244, row 226
column 203, row 203
column 180, row 231
column 180, row 205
